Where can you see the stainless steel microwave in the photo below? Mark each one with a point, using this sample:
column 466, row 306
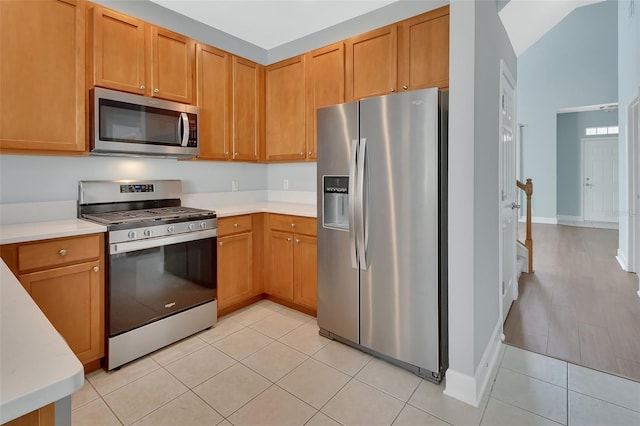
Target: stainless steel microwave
column 134, row 125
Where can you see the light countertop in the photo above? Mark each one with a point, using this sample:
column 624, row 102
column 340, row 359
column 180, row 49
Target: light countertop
column 33, row 231
column 22, row 232
column 37, row 367
column 294, row 209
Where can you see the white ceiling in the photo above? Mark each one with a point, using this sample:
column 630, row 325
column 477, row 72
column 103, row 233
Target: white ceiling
column 269, row 24
column 526, row 21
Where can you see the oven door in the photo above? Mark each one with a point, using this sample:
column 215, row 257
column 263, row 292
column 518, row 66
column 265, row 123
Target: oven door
column 155, row 278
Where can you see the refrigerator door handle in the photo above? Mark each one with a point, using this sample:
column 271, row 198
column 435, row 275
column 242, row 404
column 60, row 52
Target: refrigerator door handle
column 360, row 207
column 352, row 207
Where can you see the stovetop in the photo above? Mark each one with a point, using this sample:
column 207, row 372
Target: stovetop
column 148, row 215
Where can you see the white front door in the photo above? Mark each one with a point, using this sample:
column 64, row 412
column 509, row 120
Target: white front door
column 600, row 179
column 507, row 196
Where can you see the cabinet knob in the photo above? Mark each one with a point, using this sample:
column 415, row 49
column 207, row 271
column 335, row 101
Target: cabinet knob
column 310, row 154
column 220, row 243
column 405, row 87
column 62, row 252
column 235, row 225
column 226, row 153
column 235, row 155
column 297, row 241
column 96, row 269
column 289, row 239
column 156, row 90
column 301, row 154
column 393, row 90
column 293, row 225
column 142, row 87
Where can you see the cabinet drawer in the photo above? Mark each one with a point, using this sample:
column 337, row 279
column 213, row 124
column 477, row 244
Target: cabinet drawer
column 58, row 252
column 297, row 224
column 234, row 225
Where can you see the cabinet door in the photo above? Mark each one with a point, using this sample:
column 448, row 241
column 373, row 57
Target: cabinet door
column 371, row 63
column 118, row 51
column 280, row 265
column 172, row 65
column 248, row 80
column 214, row 94
column 285, row 110
column 305, row 261
column 42, row 76
column 423, row 57
column 71, row 298
column 325, row 86
column 235, row 269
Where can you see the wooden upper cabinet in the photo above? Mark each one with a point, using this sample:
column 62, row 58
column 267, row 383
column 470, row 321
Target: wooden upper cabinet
column 423, row 50
column 371, row 63
column 42, row 77
column 117, row 50
column 172, row 65
column 325, row 86
column 247, row 110
column 285, row 110
column 134, row 56
column 214, row 102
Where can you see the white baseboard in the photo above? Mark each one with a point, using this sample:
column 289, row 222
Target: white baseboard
column 542, row 219
column 579, row 221
column 471, row 390
column 622, row 260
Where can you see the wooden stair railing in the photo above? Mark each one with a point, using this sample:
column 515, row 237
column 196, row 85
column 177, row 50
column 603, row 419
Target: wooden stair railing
column 528, row 242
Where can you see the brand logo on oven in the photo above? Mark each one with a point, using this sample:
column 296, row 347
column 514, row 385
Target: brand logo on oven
column 170, row 305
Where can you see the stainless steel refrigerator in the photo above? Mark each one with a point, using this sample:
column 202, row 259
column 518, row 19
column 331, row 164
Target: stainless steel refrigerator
column 382, row 228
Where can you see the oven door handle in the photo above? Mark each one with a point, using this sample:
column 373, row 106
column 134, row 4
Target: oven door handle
column 161, row 241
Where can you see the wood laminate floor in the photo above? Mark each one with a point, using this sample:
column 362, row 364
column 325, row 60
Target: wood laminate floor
column 578, row 305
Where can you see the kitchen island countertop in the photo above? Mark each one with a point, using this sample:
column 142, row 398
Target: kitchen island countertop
column 37, row 367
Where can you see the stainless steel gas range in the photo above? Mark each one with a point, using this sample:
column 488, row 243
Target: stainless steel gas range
column 161, row 270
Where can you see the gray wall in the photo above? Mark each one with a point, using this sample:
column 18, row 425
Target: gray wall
column 574, row 64
column 628, row 89
column 41, row 178
column 571, row 130
column 478, row 43
column 492, row 45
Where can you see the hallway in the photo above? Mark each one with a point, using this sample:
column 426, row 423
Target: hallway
column 579, row 305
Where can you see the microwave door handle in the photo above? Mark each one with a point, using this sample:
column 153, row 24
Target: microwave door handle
column 184, row 122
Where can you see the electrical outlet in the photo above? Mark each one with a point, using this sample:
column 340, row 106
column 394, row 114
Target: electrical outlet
column 285, row 184
column 234, row 185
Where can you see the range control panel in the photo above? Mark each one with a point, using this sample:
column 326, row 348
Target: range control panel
column 125, row 189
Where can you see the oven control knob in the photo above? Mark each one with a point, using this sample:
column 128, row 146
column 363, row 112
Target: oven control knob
column 192, row 226
column 132, row 235
column 147, row 232
column 203, row 225
column 171, row 229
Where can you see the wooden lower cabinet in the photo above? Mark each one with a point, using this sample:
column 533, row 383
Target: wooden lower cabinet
column 239, row 261
column 291, row 260
column 65, row 277
column 279, row 280
column 235, row 268
column 45, row 416
column 305, row 271
column 71, row 298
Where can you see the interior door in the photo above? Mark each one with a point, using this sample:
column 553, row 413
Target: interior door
column 508, row 203
column 600, row 179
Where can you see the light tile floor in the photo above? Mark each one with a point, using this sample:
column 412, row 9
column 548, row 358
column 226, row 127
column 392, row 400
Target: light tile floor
column 267, row 365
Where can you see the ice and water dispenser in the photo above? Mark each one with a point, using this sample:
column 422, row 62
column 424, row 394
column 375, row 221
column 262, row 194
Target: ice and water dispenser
column 335, row 193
